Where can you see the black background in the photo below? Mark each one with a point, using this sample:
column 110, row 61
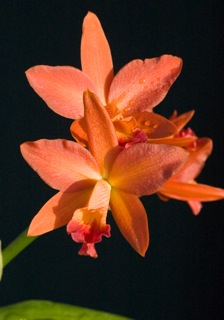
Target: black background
column 182, row 275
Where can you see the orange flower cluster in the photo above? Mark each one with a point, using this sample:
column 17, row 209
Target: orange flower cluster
column 123, row 149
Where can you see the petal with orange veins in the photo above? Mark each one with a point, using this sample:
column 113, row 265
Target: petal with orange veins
column 100, row 196
column 131, row 218
column 143, row 168
column 100, row 130
column 195, row 162
column 61, row 87
column 61, row 163
column 141, row 85
column 191, row 191
column 88, row 224
column 58, row 211
column 96, row 56
column 78, row 131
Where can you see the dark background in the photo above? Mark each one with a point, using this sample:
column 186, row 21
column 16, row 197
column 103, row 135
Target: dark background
column 182, row 275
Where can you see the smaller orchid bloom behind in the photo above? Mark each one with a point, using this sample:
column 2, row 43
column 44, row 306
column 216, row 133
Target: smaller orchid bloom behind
column 129, row 97
column 92, row 182
column 182, row 185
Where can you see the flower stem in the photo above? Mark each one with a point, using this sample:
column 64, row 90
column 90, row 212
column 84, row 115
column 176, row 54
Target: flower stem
column 15, row 247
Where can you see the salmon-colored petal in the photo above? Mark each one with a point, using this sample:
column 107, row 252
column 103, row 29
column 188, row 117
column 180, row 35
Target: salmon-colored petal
column 195, row 206
column 154, row 125
column 143, row 168
column 191, row 191
column 141, row 85
column 61, row 163
column 179, row 142
column 96, row 56
column 88, row 224
column 109, row 160
column 181, row 120
column 61, row 87
column 58, row 211
column 148, row 124
column 88, row 249
column 100, row 130
column 131, row 218
column 195, row 162
column 100, row 196
column 78, row 131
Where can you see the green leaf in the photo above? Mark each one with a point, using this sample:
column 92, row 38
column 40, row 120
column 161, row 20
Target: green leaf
column 1, row 262
column 48, row 310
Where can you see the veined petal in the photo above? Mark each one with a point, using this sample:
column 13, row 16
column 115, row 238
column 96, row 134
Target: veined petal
column 131, row 218
column 195, row 162
column 88, row 224
column 61, row 87
column 100, row 130
column 143, row 168
column 141, row 85
column 58, row 211
column 100, row 196
column 78, row 131
column 191, row 191
column 96, row 56
column 61, row 163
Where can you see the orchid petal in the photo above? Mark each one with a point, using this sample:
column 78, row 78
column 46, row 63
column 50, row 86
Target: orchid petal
column 88, row 224
column 195, row 206
column 58, row 211
column 182, row 120
column 141, row 85
column 100, row 130
column 131, row 218
column 88, row 249
column 96, row 56
column 100, row 196
column 124, row 128
column 61, row 163
column 61, row 88
column 78, row 131
column 179, row 142
column 191, row 191
column 109, row 160
column 143, row 168
column 195, row 162
column 154, row 125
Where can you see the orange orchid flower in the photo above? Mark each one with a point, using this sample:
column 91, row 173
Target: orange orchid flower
column 106, row 177
column 129, row 96
column 182, row 185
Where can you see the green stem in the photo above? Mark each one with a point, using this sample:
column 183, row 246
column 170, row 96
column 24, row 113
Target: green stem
column 15, row 247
